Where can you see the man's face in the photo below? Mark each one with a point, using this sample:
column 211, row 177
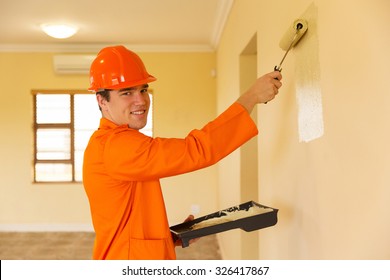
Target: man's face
column 127, row 106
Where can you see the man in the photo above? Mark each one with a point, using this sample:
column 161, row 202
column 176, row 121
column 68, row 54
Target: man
column 122, row 167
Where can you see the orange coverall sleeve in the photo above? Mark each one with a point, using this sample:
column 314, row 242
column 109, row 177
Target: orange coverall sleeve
column 132, row 156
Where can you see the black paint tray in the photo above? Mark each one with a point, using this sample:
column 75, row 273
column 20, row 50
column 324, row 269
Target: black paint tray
column 187, row 231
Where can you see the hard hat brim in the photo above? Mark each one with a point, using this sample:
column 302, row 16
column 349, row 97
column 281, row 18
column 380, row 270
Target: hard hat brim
column 127, row 84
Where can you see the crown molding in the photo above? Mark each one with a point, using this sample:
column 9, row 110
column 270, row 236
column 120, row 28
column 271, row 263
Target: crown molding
column 94, row 48
column 224, row 8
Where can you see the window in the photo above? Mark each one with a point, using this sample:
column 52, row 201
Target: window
column 63, row 123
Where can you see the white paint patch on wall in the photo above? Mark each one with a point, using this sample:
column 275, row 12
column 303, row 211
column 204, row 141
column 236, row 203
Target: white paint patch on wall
column 308, row 90
column 310, row 120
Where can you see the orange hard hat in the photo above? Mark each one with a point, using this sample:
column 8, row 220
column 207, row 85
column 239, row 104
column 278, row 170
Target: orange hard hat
column 117, row 67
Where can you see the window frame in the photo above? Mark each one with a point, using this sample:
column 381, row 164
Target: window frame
column 69, row 126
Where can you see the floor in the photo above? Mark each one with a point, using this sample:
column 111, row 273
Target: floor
column 78, row 246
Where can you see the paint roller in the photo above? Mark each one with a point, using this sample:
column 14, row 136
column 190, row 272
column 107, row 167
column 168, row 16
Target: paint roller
column 291, row 38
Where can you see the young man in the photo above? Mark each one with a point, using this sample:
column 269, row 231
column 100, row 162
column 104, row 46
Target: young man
column 122, row 167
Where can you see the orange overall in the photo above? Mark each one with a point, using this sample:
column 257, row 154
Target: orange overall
column 122, row 168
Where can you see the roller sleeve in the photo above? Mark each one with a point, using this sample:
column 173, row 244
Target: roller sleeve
column 293, row 34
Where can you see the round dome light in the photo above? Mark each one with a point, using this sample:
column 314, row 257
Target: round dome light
column 59, row 31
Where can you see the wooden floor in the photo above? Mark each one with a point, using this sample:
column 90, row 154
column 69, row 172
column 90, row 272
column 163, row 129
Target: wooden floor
column 78, row 246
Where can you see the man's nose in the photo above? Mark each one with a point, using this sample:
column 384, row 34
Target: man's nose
column 139, row 97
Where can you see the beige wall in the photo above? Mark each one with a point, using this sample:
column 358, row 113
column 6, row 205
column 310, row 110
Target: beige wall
column 184, row 99
column 332, row 192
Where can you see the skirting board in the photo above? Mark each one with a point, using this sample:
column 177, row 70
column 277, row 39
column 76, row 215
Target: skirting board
column 46, row 228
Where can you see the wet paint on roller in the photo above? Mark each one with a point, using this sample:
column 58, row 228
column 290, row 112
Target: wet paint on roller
column 293, row 34
column 308, row 90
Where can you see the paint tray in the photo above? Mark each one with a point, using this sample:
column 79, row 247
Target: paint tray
column 247, row 216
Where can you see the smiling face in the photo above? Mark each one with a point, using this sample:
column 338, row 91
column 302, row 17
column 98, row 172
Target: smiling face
column 126, row 106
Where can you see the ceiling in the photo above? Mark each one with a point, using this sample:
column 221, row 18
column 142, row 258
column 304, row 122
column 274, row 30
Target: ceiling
column 155, row 25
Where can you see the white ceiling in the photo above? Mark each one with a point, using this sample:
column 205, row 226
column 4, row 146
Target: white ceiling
column 156, row 25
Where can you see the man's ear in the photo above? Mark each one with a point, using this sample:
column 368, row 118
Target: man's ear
column 102, row 102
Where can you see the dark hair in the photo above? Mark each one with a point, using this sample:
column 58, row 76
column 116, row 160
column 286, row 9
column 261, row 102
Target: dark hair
column 105, row 93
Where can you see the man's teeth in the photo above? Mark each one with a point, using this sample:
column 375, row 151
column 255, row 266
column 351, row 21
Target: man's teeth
column 138, row 112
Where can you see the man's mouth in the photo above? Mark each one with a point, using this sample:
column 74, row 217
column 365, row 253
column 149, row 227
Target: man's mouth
column 141, row 112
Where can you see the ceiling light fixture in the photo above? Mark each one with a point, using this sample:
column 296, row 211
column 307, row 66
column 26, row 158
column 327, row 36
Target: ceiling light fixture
column 59, row 31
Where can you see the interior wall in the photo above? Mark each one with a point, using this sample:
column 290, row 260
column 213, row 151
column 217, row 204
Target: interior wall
column 332, row 191
column 249, row 152
column 184, row 98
